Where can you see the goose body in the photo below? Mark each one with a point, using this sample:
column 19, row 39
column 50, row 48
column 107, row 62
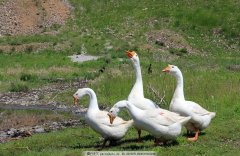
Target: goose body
column 200, row 117
column 153, row 121
column 99, row 121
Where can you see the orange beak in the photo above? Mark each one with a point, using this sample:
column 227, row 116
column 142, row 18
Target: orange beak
column 130, row 54
column 111, row 117
column 75, row 99
column 167, row 69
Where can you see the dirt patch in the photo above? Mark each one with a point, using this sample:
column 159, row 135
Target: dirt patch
column 17, row 120
column 26, row 17
column 167, row 40
column 32, row 47
column 57, row 12
column 37, row 96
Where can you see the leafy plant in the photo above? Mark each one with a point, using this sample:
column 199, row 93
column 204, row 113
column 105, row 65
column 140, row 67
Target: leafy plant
column 27, row 77
column 29, row 49
column 18, row 87
column 55, row 26
column 178, row 52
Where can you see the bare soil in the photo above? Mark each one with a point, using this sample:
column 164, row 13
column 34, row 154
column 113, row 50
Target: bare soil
column 35, row 96
column 167, row 39
column 18, row 17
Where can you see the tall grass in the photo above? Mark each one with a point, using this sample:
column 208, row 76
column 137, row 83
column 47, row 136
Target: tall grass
column 43, row 68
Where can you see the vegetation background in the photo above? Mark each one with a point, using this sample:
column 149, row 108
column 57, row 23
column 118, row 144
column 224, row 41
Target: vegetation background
column 201, row 37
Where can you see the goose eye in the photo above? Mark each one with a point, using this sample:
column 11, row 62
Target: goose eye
column 172, row 66
column 111, row 111
column 76, row 93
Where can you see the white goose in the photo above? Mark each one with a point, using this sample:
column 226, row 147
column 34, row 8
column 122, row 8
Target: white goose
column 99, row 121
column 201, row 118
column 136, row 96
column 162, row 128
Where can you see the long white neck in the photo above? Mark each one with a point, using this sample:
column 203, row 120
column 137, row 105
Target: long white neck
column 179, row 93
column 93, row 103
column 121, row 104
column 138, row 86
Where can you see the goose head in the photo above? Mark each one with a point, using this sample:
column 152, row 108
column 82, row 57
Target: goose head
column 78, row 95
column 171, row 69
column 133, row 56
column 113, row 112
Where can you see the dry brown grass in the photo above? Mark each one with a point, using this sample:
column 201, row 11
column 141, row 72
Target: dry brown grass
column 65, row 69
column 169, row 39
column 18, row 119
column 15, row 71
column 32, row 47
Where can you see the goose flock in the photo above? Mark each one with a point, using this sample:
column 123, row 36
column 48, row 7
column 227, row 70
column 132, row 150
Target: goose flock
column 164, row 125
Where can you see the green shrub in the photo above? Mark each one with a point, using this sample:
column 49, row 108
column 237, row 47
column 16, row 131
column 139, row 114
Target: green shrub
column 15, row 42
column 27, row 77
column 1, row 77
column 55, row 27
column 29, row 49
column 19, row 87
column 183, row 50
column 178, row 52
column 75, row 74
column 91, row 75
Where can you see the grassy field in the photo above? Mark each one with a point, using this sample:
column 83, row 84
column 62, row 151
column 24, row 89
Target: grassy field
column 109, row 28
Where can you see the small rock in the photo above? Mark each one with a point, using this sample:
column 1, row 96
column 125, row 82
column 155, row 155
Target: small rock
column 3, row 135
column 11, row 132
column 54, row 123
column 39, row 130
column 62, row 127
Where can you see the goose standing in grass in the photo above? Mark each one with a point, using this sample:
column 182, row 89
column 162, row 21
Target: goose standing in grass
column 136, row 96
column 99, row 121
column 201, row 118
column 151, row 120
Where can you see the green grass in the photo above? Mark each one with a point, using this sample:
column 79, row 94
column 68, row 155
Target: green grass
column 108, row 28
column 73, row 141
column 216, row 89
column 43, row 68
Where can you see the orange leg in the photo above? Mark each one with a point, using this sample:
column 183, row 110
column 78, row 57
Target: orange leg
column 195, row 137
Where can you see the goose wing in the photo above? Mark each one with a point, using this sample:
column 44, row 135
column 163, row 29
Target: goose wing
column 197, row 109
